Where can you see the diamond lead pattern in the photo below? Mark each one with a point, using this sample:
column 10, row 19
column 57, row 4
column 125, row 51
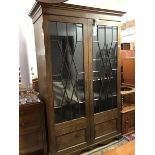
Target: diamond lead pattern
column 68, row 84
column 104, row 83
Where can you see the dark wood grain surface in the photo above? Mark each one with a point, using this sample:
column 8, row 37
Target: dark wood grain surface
column 72, row 137
column 32, row 134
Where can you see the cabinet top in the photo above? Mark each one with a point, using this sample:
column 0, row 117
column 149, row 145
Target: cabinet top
column 30, row 104
column 76, row 8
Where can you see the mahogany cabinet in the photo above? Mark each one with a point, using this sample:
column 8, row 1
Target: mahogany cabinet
column 32, row 134
column 78, row 61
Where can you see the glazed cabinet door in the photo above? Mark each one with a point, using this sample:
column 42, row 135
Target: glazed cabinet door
column 104, row 72
column 68, row 64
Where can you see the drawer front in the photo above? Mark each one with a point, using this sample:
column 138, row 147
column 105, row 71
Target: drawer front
column 36, row 117
column 128, row 122
column 30, row 117
column 31, row 142
column 26, row 111
column 28, row 125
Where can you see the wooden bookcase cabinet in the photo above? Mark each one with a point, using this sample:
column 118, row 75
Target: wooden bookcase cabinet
column 78, row 60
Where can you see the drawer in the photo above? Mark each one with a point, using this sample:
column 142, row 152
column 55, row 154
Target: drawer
column 32, row 136
column 37, row 116
column 28, row 110
column 31, row 142
column 30, row 117
column 29, row 125
column 128, row 122
column 31, row 114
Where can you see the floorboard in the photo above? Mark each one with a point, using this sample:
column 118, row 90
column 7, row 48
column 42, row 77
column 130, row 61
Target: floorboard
column 125, row 149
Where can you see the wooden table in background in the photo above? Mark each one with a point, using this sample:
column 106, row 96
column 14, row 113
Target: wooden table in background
column 125, row 149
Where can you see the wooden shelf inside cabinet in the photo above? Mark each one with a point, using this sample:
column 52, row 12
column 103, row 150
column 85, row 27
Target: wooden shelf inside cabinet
column 32, row 134
column 99, row 79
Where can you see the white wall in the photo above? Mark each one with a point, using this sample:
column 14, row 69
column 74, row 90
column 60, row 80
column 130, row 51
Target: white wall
column 23, row 58
column 128, row 35
column 27, row 56
column 120, row 5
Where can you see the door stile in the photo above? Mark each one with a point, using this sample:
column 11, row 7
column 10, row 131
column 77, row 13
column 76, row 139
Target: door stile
column 49, row 105
column 87, row 90
column 119, row 78
column 90, row 31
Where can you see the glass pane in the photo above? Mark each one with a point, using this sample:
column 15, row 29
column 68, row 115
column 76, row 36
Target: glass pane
column 67, row 70
column 105, row 68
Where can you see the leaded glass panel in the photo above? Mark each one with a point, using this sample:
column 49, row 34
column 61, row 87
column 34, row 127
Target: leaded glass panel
column 67, row 70
column 105, row 68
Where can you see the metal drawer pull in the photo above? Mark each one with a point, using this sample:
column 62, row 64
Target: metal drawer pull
column 23, row 124
column 22, row 112
column 126, row 122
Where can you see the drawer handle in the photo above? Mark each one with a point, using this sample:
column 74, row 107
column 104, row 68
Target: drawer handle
column 126, row 122
column 23, row 124
column 22, row 113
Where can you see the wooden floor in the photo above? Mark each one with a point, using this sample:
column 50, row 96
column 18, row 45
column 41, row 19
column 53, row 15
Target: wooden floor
column 125, row 149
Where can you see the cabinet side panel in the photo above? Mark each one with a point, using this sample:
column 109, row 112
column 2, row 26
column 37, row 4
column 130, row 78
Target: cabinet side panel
column 129, row 70
column 40, row 53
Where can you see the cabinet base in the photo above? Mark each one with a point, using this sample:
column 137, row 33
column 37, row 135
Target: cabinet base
column 91, row 146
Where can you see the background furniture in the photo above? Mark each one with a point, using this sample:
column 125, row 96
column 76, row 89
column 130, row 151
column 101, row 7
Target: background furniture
column 78, row 60
column 128, row 121
column 35, row 84
column 128, row 66
column 32, row 135
column 129, row 70
column 125, row 46
column 128, row 81
column 128, row 108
